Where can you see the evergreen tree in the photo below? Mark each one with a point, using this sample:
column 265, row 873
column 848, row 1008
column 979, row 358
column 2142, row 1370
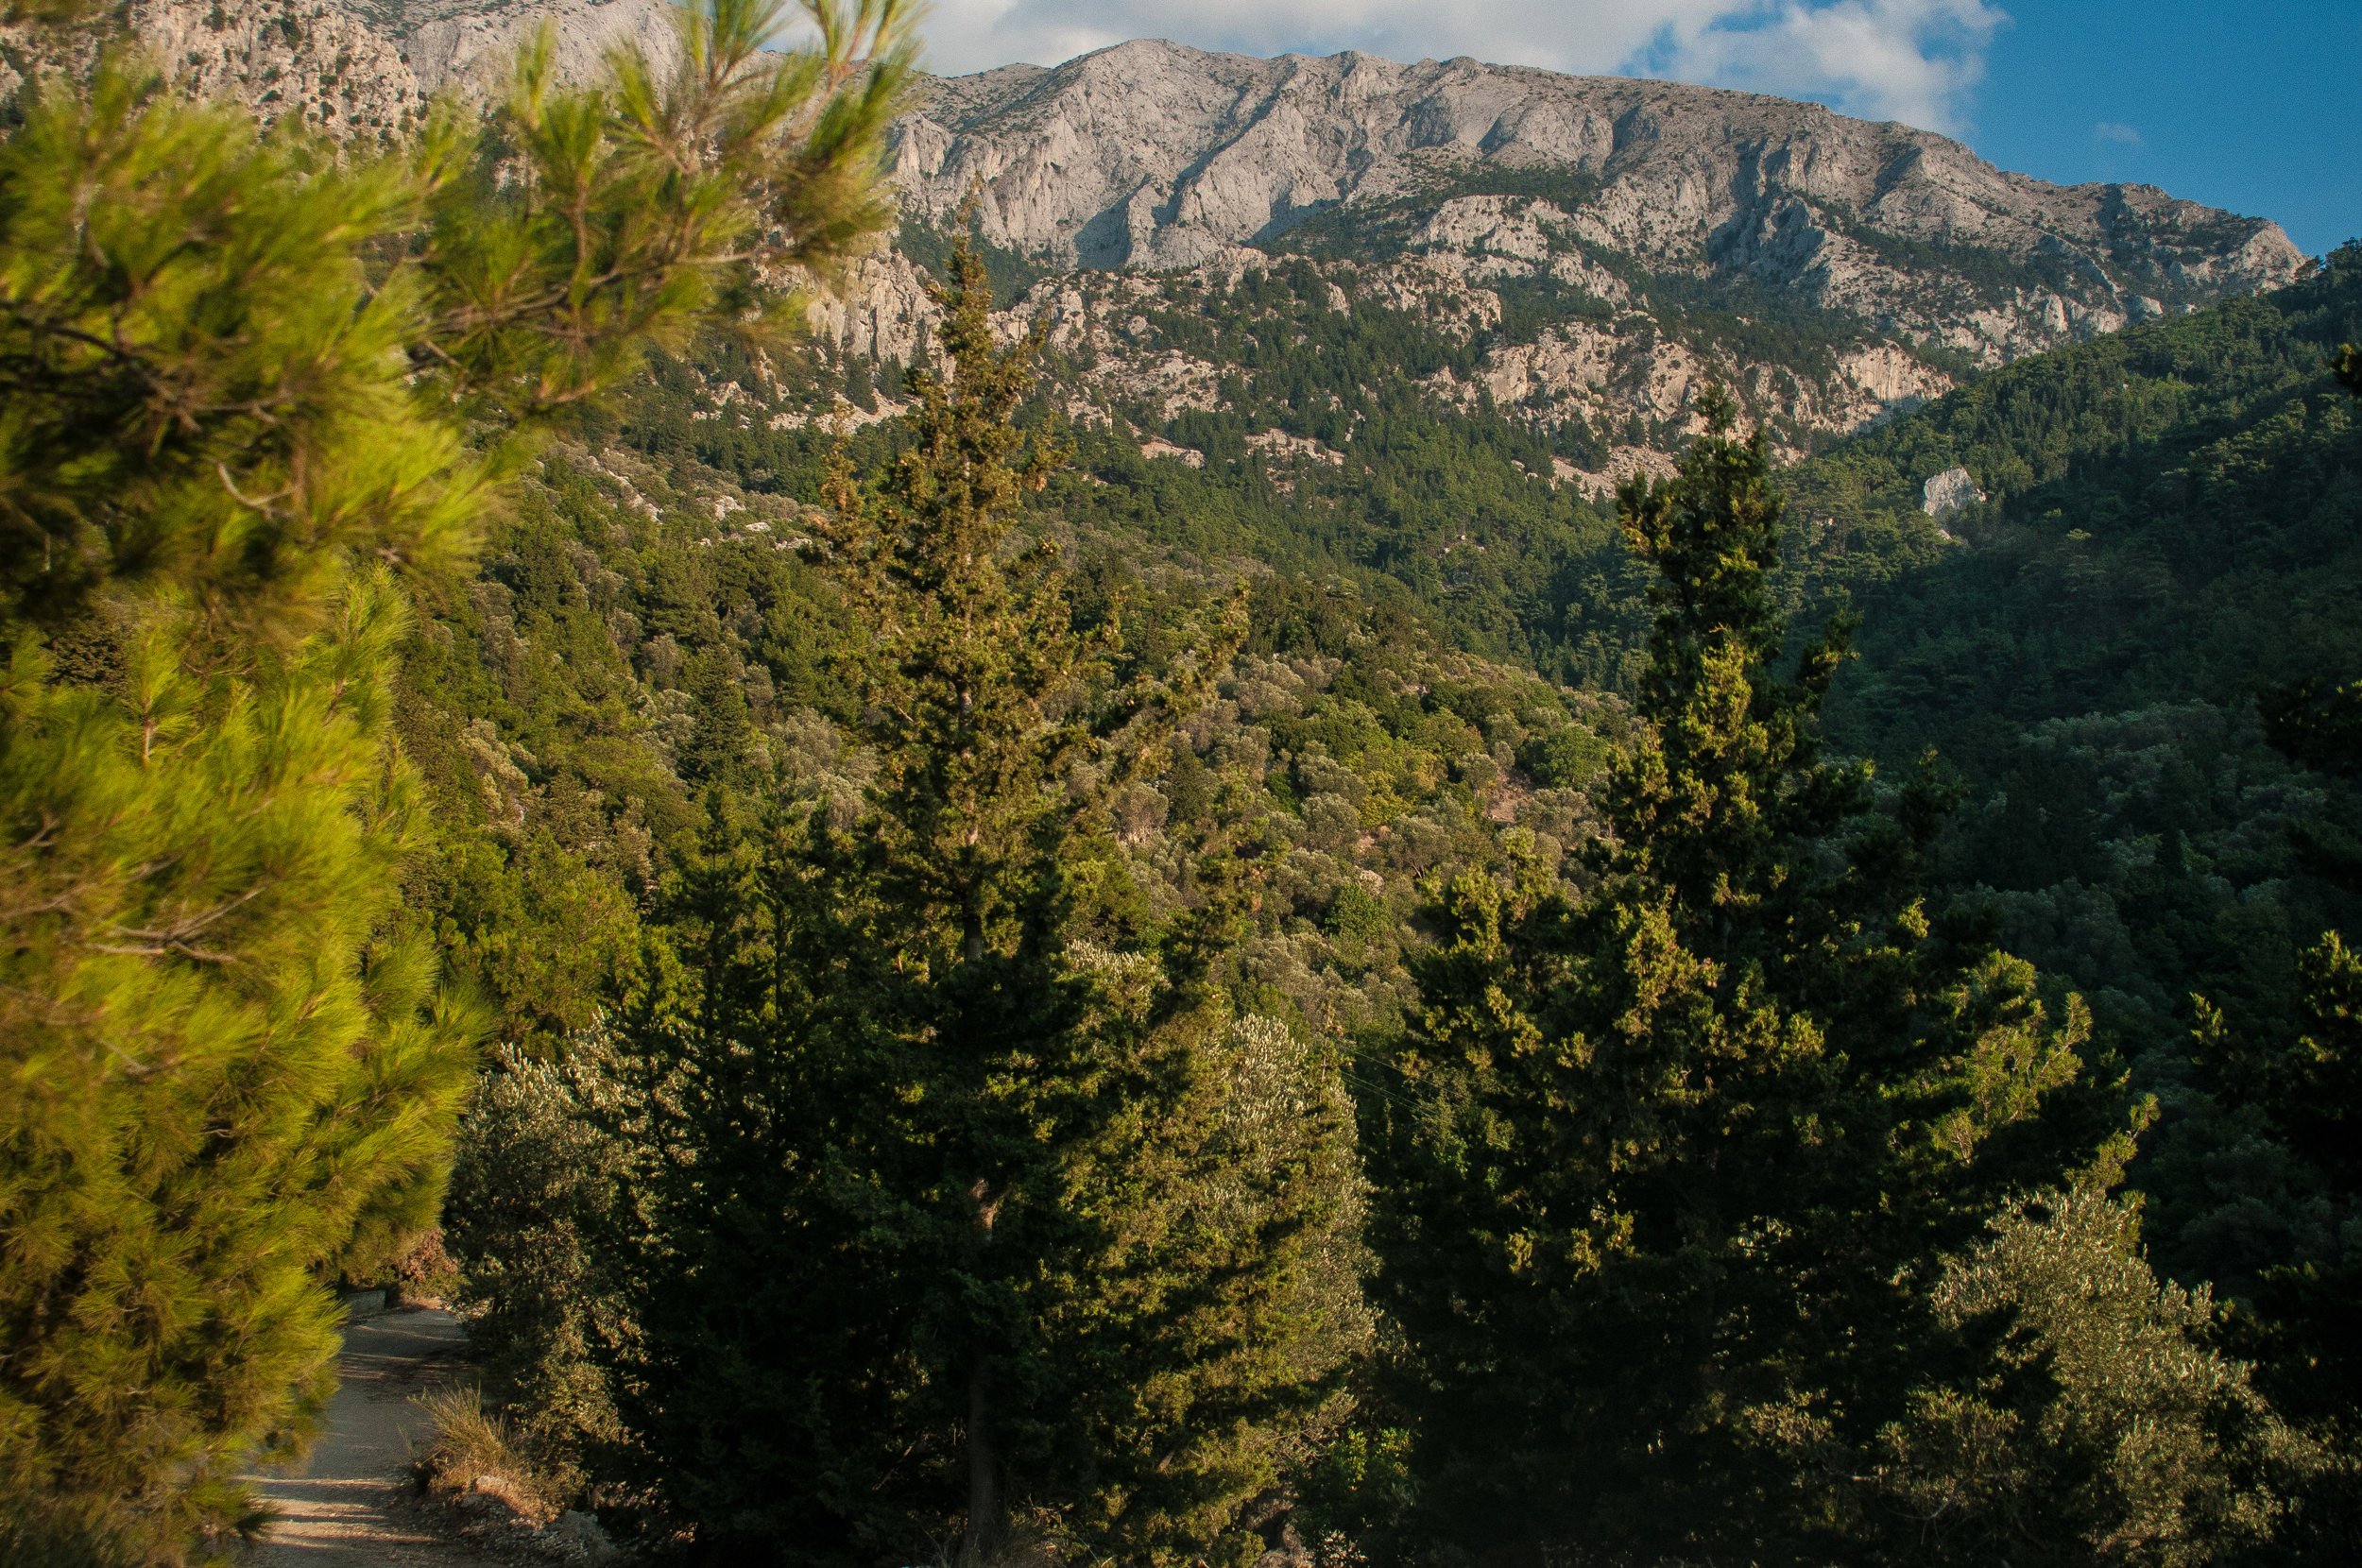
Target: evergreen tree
column 252, row 383
column 1677, row 1156
column 997, row 1225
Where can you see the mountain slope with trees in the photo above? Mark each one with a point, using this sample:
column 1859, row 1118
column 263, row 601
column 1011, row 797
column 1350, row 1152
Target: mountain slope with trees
column 258, row 393
column 1154, row 928
column 2118, row 649
column 1585, row 253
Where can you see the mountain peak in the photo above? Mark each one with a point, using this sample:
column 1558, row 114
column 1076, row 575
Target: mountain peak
column 1602, row 246
column 1152, row 153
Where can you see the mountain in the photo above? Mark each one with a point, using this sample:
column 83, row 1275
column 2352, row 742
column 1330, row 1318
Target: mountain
column 364, row 68
column 1602, row 246
column 1406, row 324
column 1150, row 154
column 1583, row 252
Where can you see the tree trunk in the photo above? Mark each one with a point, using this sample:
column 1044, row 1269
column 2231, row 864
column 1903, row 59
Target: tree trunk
column 983, row 1464
column 983, row 1480
column 985, row 1524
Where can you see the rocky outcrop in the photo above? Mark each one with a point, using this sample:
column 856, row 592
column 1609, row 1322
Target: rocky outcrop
column 1600, row 248
column 369, row 69
column 1154, row 155
column 1948, row 492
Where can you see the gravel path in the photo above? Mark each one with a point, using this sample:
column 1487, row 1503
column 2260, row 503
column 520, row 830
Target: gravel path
column 347, row 1505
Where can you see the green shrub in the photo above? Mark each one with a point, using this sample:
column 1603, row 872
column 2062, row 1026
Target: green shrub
column 538, row 1214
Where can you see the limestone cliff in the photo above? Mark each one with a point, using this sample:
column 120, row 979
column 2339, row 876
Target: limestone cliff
column 1627, row 219
column 1596, row 248
column 1154, row 155
column 366, row 69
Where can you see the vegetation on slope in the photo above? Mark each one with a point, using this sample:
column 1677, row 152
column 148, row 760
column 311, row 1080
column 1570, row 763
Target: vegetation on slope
column 2129, row 652
column 1132, row 1009
column 254, row 386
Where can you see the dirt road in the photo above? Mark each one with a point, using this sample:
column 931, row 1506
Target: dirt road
column 347, row 1505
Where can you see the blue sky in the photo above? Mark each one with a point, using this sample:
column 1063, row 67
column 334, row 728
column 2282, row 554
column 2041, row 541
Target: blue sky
column 2252, row 105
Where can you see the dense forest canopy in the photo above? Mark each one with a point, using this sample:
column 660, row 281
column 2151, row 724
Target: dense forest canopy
column 940, row 986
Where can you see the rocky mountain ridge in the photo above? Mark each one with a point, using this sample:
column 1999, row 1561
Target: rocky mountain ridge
column 1589, row 251
column 1611, row 243
column 1153, row 154
column 363, row 67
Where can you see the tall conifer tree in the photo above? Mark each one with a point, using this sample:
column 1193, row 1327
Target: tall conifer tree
column 996, row 1224
column 251, row 381
column 1679, row 1145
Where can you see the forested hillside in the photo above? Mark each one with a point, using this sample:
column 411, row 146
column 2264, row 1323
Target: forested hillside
column 649, row 643
column 1143, row 926
column 1364, row 752
column 2109, row 648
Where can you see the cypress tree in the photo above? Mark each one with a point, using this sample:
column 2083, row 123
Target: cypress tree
column 252, row 384
column 997, row 1227
column 1676, row 1154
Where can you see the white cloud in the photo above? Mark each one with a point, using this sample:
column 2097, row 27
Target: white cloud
column 2111, row 130
column 1918, row 60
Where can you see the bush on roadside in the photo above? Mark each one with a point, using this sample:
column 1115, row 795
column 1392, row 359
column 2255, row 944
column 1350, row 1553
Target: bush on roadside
column 474, row 1453
column 540, row 1209
column 30, row 1540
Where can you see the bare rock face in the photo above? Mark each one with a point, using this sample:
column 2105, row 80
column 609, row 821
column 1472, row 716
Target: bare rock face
column 881, row 312
column 369, row 70
column 1455, row 190
column 1156, row 156
column 1948, row 492
column 1597, row 250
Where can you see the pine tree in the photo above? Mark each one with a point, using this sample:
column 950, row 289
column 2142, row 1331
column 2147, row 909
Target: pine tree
column 998, row 1225
column 1678, row 1154
column 253, row 385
